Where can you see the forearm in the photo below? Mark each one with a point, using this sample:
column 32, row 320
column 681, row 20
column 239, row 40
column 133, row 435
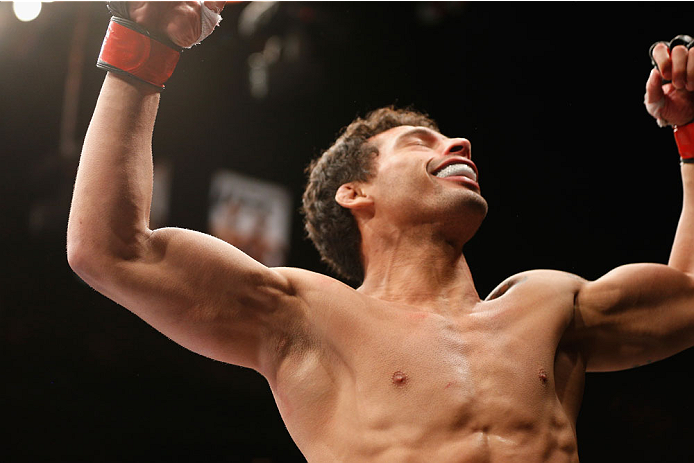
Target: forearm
column 682, row 255
column 111, row 202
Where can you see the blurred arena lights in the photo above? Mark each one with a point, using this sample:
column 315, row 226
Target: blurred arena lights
column 26, row 11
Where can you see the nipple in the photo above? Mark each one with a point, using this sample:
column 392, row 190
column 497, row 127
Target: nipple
column 399, row 378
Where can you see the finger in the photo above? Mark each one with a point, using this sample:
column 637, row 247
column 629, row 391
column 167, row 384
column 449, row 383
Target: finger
column 690, row 70
column 661, row 56
column 678, row 56
column 654, row 87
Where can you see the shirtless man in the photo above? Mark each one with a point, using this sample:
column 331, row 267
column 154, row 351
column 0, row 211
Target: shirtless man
column 413, row 365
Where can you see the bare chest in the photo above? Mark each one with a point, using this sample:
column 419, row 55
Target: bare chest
column 415, row 372
column 457, row 373
column 388, row 379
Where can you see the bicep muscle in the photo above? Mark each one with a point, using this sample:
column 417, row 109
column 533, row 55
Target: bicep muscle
column 633, row 315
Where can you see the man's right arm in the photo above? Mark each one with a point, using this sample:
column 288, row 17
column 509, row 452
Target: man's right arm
column 199, row 291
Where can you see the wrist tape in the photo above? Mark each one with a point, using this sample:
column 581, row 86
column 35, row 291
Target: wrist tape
column 130, row 50
column 684, row 137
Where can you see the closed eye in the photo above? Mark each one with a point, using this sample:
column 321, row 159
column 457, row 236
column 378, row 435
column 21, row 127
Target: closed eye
column 418, row 143
column 418, row 136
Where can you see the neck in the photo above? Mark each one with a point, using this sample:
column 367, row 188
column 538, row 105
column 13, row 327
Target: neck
column 417, row 267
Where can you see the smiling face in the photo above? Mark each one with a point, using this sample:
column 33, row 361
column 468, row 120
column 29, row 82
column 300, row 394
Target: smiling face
column 425, row 177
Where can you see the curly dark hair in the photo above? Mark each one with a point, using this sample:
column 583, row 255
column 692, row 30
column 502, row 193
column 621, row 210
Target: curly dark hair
column 331, row 227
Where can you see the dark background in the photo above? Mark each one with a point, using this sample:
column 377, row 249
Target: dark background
column 578, row 177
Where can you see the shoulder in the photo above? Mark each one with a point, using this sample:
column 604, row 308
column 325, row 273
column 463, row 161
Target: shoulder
column 543, row 282
column 542, row 301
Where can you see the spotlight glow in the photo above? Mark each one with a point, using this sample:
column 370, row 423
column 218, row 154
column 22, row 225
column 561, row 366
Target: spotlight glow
column 26, row 11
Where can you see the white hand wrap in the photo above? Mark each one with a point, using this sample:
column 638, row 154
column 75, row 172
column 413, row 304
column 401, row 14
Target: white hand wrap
column 210, row 19
column 654, row 110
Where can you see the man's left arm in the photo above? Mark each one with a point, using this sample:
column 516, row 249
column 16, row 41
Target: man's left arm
column 641, row 313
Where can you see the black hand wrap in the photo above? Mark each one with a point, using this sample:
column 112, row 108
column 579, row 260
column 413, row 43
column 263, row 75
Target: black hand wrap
column 685, row 40
column 119, row 9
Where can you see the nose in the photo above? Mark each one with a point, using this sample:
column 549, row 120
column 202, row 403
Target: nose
column 459, row 147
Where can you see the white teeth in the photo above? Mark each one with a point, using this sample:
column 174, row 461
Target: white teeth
column 457, row 169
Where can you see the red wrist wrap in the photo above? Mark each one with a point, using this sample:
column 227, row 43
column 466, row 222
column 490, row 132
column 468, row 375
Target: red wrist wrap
column 684, row 136
column 127, row 50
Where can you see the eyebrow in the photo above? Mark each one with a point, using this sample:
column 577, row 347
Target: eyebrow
column 422, row 132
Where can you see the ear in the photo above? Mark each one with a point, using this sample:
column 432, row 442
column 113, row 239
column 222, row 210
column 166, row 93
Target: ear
column 352, row 196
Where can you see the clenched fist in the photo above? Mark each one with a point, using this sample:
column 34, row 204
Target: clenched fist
column 671, row 103
column 184, row 23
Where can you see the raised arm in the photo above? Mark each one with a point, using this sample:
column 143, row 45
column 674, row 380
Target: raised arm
column 640, row 313
column 199, row 291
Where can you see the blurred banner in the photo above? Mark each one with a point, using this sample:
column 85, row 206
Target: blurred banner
column 161, row 194
column 253, row 215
